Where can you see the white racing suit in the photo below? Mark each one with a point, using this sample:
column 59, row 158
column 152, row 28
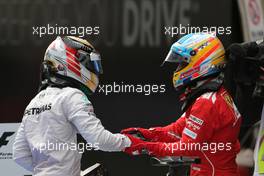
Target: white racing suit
column 46, row 138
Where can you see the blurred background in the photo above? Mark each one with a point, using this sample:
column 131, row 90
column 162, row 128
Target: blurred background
column 133, row 44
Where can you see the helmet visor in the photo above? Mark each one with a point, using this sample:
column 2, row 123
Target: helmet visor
column 91, row 61
column 96, row 61
column 176, row 61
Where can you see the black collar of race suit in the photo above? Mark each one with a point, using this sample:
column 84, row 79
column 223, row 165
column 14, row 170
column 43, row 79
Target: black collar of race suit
column 62, row 82
column 211, row 86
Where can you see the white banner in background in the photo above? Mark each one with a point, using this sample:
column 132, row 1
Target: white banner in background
column 251, row 13
column 7, row 136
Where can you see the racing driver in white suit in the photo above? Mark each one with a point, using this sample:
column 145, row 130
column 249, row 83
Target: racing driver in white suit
column 61, row 110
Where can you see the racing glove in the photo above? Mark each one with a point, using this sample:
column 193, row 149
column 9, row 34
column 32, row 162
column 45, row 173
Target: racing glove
column 134, row 142
column 157, row 134
column 146, row 133
column 160, row 149
column 150, row 147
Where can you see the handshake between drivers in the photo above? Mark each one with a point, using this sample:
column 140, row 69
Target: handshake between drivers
column 143, row 140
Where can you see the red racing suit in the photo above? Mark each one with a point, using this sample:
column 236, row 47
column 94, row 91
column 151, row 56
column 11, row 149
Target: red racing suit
column 209, row 129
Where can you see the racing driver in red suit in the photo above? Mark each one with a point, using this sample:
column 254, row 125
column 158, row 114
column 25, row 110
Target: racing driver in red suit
column 210, row 126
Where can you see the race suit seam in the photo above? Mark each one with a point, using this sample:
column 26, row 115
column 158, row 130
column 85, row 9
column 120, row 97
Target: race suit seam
column 213, row 173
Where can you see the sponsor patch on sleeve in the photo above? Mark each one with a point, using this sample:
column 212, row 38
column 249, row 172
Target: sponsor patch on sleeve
column 196, row 120
column 190, row 133
column 191, row 125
